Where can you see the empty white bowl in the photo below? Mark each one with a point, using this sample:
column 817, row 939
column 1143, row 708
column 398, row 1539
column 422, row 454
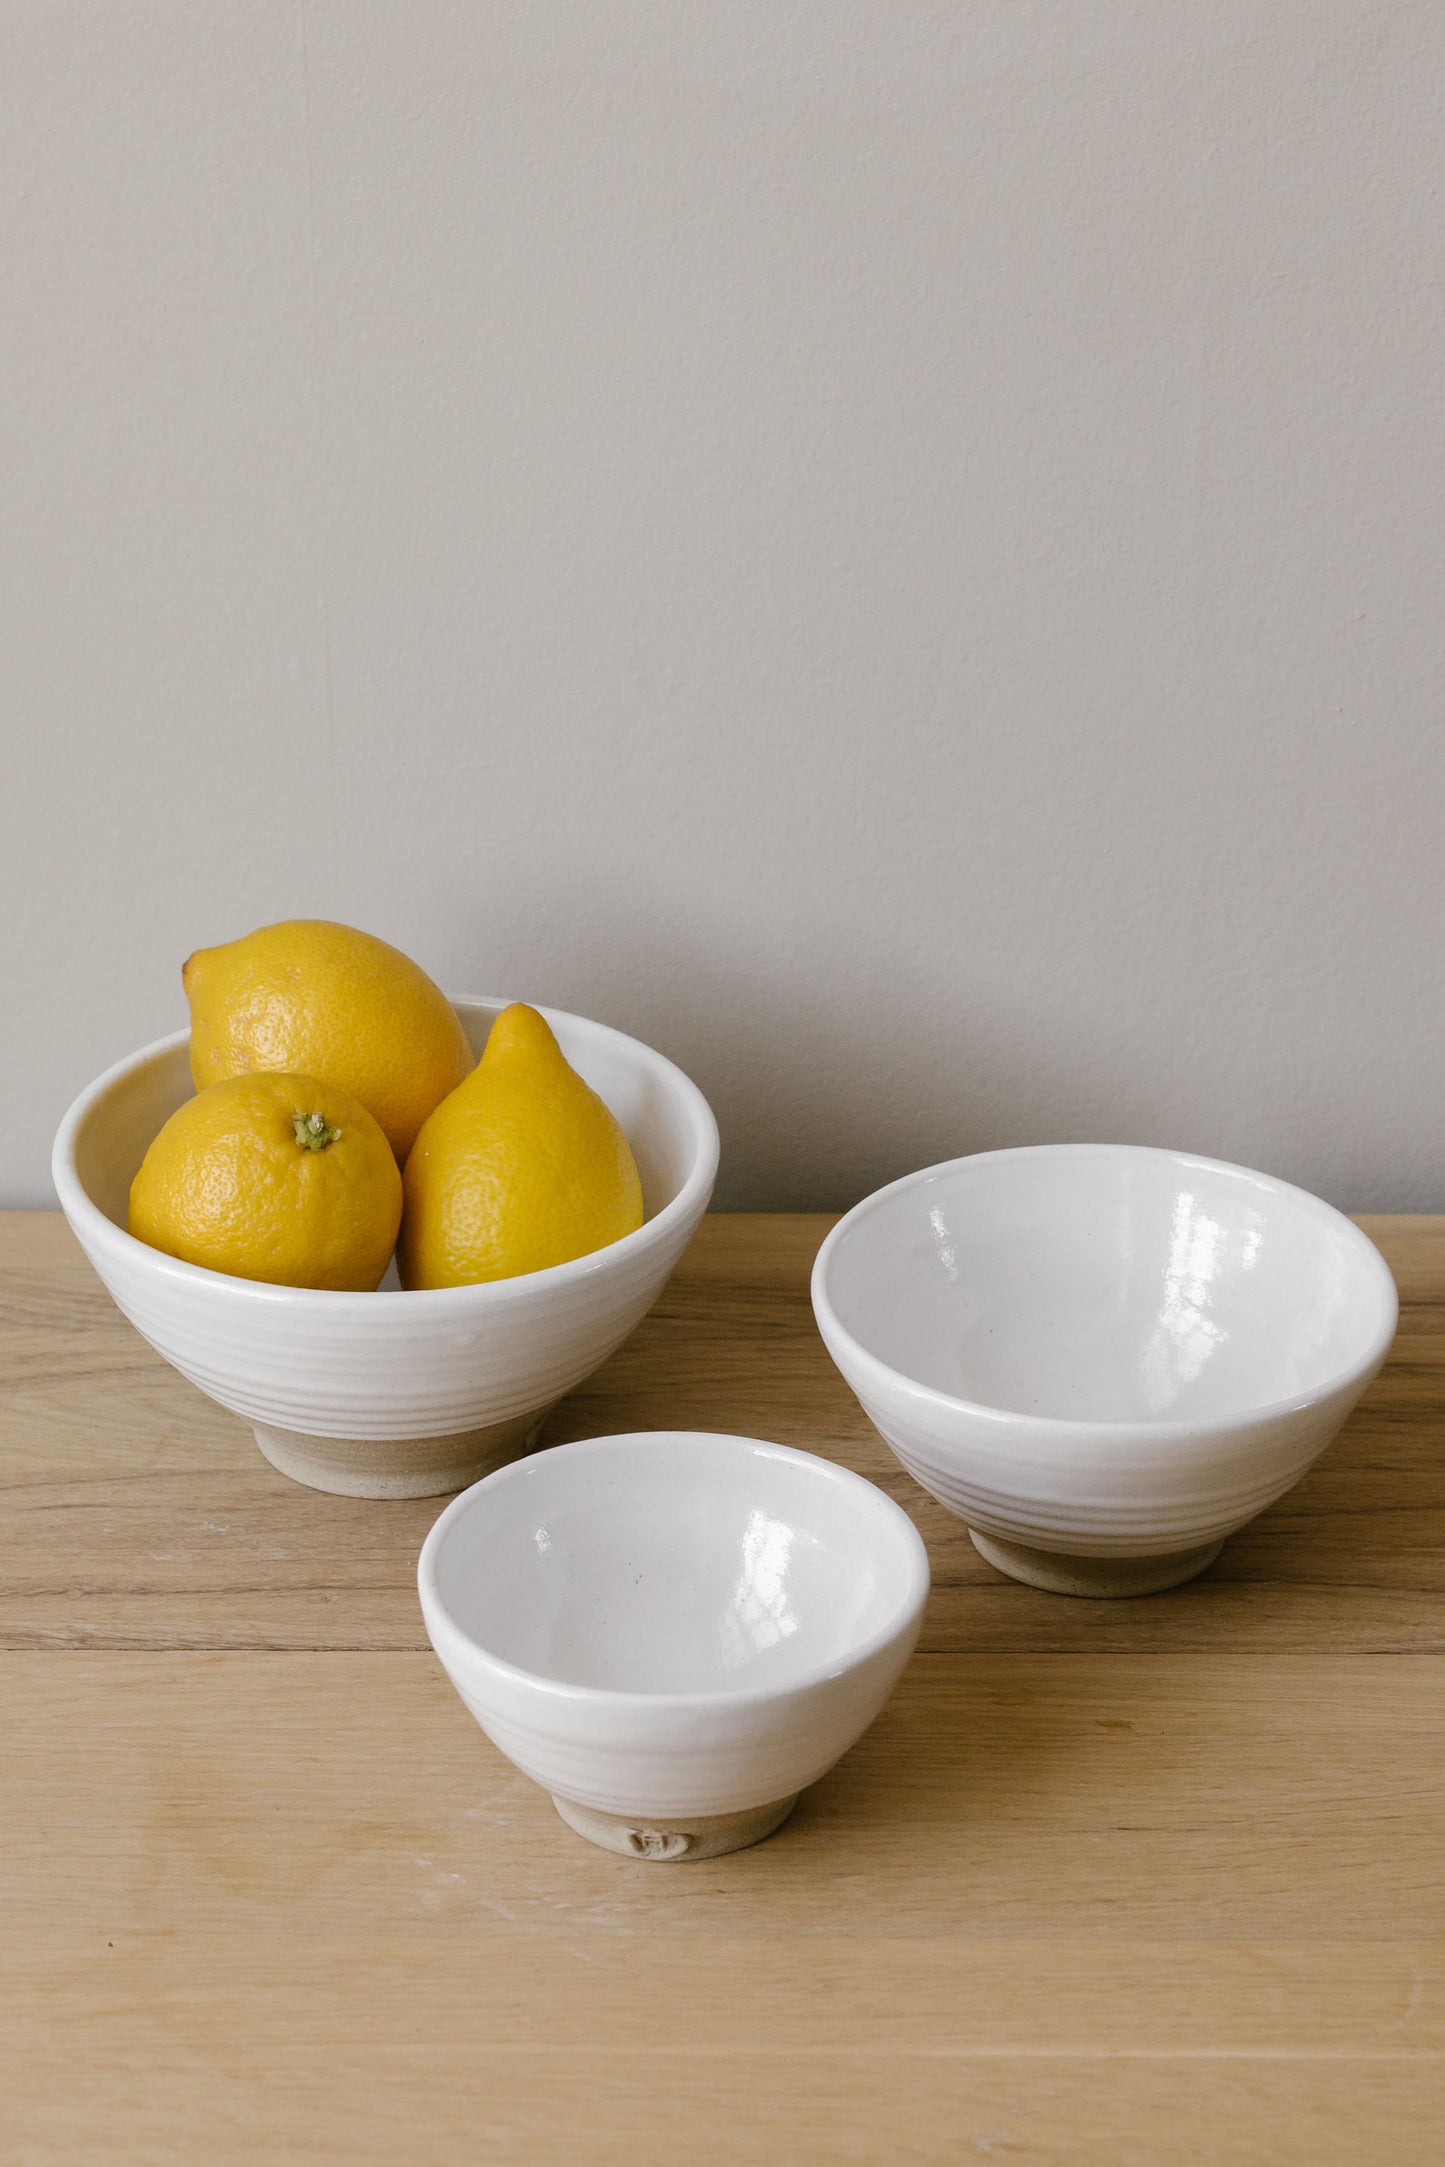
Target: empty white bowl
column 673, row 1632
column 394, row 1393
column 1104, row 1358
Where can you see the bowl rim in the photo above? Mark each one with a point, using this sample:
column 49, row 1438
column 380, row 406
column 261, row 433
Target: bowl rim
column 832, row 1328
column 445, row 1633
column 97, row 1231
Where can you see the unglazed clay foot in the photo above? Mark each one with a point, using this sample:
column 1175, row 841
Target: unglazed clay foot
column 696, row 1836
column 1061, row 1574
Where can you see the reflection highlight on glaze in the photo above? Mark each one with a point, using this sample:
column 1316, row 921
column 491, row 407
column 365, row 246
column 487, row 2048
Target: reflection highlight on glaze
column 759, row 1614
column 1185, row 1335
column 943, row 1243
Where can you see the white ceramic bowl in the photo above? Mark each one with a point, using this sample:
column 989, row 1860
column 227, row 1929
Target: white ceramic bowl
column 392, row 1394
column 1104, row 1358
column 673, row 1632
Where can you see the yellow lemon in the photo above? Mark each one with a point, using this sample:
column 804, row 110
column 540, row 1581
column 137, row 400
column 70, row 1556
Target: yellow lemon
column 522, row 1167
column 315, row 999
column 272, row 1177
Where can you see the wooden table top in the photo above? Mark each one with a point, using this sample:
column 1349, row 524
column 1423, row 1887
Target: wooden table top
column 1127, row 1883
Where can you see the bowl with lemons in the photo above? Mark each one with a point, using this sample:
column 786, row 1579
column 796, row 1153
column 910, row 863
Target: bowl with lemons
column 387, row 1227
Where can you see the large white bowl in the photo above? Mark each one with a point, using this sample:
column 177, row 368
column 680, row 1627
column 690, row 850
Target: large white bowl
column 392, row 1394
column 673, row 1632
column 1104, row 1358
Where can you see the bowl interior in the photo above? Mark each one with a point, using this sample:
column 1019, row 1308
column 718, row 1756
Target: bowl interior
column 1100, row 1283
column 121, row 1121
column 675, row 1563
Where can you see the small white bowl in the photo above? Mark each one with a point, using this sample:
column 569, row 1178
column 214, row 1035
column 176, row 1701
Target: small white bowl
column 395, row 1393
column 673, row 1632
column 1104, row 1358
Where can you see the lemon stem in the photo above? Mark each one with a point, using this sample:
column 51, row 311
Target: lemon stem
column 312, row 1132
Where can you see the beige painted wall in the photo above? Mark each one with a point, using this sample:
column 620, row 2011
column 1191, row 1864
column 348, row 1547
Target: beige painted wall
column 892, row 547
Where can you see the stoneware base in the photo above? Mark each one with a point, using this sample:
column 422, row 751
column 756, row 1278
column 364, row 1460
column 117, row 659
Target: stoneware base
column 1063, row 1574
column 697, row 1836
column 402, row 1466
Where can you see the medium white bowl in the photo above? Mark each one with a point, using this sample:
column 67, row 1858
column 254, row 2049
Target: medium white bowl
column 673, row 1632
column 1104, row 1358
column 392, row 1394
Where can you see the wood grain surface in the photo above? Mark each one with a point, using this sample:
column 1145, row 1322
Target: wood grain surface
column 1124, row 1884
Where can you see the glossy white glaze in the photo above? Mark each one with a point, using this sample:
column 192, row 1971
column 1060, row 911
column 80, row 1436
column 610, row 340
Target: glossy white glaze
column 1103, row 1351
column 376, row 1370
column 673, row 1624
